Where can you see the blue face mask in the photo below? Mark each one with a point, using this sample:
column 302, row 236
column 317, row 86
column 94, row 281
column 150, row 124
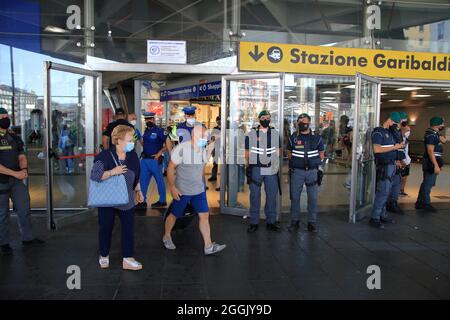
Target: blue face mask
column 129, row 147
column 201, row 143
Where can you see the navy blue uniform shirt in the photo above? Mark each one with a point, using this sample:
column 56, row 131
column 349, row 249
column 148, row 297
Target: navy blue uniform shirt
column 154, row 139
column 385, row 138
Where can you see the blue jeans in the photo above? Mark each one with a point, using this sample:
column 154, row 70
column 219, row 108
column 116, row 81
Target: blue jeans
column 271, row 188
column 429, row 181
column 300, row 177
column 70, row 163
column 106, row 218
column 166, row 156
column 382, row 193
column 395, row 189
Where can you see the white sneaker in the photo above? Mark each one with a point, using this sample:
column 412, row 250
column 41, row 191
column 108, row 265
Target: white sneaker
column 214, row 248
column 104, row 262
column 131, row 264
column 168, row 243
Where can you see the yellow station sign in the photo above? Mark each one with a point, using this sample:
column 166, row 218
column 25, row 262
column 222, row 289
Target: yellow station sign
column 292, row 58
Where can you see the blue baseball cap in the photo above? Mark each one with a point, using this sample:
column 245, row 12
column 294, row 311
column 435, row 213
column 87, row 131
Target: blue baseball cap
column 189, row 110
column 149, row 115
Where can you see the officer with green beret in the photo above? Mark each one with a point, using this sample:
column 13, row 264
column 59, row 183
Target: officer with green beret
column 262, row 153
column 392, row 203
column 432, row 162
column 13, row 172
column 385, row 150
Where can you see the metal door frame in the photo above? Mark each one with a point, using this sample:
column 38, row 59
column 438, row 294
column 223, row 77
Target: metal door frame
column 223, row 114
column 94, row 101
column 354, row 170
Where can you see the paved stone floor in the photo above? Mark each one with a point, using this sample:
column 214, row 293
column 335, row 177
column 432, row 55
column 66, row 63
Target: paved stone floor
column 413, row 254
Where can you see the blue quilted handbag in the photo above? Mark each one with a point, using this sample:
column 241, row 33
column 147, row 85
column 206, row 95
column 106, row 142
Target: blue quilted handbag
column 112, row 192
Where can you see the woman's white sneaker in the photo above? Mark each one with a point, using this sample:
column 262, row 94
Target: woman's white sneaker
column 168, row 243
column 131, row 264
column 104, row 262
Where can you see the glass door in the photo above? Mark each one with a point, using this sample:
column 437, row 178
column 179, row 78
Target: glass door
column 72, row 130
column 367, row 106
column 243, row 97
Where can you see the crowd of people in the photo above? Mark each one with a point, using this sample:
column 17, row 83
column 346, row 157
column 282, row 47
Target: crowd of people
column 181, row 153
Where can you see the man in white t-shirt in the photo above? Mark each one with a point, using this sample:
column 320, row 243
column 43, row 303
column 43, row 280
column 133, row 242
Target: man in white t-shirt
column 404, row 173
column 188, row 160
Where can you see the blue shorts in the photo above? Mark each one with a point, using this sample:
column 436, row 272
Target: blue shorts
column 198, row 202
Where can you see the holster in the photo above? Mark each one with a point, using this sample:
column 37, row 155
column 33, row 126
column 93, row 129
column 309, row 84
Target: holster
column 382, row 172
column 319, row 177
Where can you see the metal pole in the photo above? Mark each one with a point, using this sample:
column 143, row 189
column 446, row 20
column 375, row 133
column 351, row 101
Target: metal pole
column 47, row 144
column 88, row 23
column 13, row 88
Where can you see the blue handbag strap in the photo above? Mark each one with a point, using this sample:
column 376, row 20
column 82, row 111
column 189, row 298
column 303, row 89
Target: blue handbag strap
column 114, row 158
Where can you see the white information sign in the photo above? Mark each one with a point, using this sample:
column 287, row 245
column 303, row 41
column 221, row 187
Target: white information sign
column 159, row 51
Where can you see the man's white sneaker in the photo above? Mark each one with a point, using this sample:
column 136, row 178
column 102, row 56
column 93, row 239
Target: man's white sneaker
column 214, row 248
column 168, row 243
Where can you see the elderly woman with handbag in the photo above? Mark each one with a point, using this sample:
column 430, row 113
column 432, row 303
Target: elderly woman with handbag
column 115, row 189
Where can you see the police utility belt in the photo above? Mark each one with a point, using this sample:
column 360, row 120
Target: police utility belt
column 147, row 156
column 381, row 169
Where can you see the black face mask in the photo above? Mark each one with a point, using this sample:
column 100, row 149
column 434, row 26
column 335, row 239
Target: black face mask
column 5, row 123
column 149, row 124
column 393, row 127
column 264, row 123
column 303, row 126
column 404, row 123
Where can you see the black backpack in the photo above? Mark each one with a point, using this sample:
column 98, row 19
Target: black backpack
column 185, row 220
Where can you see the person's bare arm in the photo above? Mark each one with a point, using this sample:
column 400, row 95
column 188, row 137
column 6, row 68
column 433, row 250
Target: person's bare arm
column 432, row 157
column 171, row 181
column 377, row 148
column 169, row 145
column 23, row 162
column 4, row 170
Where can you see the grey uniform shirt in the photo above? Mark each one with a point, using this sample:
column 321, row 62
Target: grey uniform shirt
column 189, row 172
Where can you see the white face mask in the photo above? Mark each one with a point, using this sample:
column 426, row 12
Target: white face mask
column 407, row 134
column 133, row 122
column 190, row 121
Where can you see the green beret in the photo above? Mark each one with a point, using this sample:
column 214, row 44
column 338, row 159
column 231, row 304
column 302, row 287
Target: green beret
column 263, row 113
column 396, row 117
column 3, row 111
column 404, row 115
column 436, row 121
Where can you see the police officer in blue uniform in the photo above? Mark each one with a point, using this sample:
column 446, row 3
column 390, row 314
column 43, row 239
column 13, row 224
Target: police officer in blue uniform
column 305, row 152
column 385, row 151
column 432, row 162
column 154, row 145
column 262, row 152
column 392, row 204
column 184, row 129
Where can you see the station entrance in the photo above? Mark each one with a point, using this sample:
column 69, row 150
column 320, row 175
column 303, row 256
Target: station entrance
column 344, row 110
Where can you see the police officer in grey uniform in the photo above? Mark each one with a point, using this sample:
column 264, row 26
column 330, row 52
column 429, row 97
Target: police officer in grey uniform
column 262, row 152
column 305, row 153
column 13, row 172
